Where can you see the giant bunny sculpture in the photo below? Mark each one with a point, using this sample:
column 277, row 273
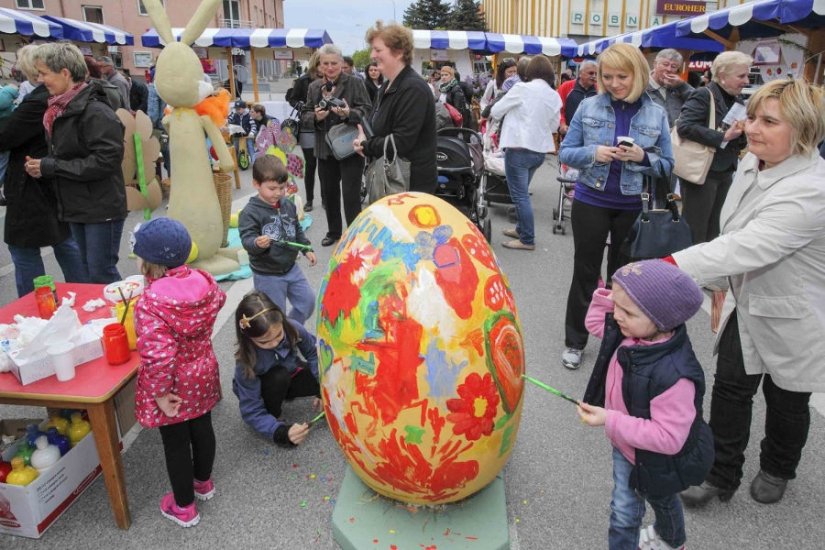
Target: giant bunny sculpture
column 179, row 82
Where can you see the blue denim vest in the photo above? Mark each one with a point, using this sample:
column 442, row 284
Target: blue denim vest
column 594, row 124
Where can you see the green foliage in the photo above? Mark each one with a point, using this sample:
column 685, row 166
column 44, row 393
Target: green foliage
column 427, row 15
column 361, row 58
column 466, row 16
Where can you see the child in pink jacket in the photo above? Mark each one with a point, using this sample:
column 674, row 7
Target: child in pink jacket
column 651, row 385
column 178, row 381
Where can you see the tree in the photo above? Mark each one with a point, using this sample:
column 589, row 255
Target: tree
column 466, row 15
column 427, row 15
column 361, row 58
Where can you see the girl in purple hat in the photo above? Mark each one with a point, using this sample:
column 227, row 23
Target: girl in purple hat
column 646, row 390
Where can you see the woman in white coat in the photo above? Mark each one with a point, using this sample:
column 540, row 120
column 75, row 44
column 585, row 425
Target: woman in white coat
column 771, row 256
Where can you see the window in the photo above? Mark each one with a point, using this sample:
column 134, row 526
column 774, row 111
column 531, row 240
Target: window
column 231, row 13
column 30, row 5
column 142, row 8
column 93, row 14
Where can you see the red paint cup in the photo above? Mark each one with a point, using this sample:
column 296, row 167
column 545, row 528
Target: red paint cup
column 115, row 344
column 46, row 305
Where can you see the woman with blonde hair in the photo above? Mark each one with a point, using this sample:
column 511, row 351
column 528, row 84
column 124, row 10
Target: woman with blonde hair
column 703, row 201
column 611, row 175
column 771, row 256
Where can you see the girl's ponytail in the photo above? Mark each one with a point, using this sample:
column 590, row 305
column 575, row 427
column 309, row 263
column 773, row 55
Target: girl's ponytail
column 255, row 314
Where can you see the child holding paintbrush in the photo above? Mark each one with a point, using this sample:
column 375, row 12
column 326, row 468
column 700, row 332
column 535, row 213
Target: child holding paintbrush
column 276, row 361
column 271, row 234
column 651, row 387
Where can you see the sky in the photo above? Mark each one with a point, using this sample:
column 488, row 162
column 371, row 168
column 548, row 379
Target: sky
column 346, row 21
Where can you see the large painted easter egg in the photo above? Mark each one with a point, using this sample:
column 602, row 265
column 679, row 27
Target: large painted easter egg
column 420, row 352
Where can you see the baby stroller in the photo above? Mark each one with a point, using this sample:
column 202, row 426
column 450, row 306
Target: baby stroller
column 495, row 180
column 460, row 166
column 567, row 183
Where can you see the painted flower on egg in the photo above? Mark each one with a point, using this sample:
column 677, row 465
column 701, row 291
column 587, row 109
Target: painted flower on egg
column 420, row 350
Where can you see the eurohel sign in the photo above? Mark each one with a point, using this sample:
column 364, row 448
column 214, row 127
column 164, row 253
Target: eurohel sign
column 680, row 7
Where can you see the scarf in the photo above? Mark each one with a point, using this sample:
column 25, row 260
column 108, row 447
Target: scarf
column 446, row 88
column 58, row 104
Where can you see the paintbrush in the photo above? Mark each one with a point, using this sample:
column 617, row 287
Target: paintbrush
column 296, row 245
column 550, row 389
column 317, row 418
column 125, row 303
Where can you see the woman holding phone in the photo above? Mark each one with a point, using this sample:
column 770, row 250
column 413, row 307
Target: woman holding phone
column 614, row 140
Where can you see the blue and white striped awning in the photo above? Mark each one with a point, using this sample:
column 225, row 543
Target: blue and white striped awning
column 749, row 17
column 26, row 24
column 449, row 40
column 280, row 38
column 247, row 38
column 82, row 31
column 663, row 36
column 530, row 45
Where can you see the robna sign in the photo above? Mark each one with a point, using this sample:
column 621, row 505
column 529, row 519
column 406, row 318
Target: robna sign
column 683, row 7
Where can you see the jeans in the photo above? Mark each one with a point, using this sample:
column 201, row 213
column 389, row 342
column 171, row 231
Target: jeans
column 28, row 264
column 189, row 448
column 627, row 509
column 591, row 227
column 702, row 204
column 278, row 385
column 341, row 177
column 99, row 245
column 519, row 167
column 787, row 418
column 292, row 285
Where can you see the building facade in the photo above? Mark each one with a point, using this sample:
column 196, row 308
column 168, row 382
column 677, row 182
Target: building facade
column 130, row 16
column 589, row 19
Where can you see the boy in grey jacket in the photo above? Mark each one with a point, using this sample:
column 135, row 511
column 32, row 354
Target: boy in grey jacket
column 271, row 234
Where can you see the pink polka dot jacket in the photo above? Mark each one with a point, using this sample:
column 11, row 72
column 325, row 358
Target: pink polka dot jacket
column 174, row 318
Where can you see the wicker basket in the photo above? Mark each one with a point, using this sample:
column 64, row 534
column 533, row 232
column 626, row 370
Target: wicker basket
column 223, row 187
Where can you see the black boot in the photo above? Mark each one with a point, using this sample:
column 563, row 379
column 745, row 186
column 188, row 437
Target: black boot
column 699, row 495
column 768, row 489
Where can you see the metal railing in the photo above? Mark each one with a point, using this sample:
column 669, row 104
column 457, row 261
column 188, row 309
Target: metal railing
column 235, row 23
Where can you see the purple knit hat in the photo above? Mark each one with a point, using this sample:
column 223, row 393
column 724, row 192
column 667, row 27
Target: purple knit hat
column 665, row 293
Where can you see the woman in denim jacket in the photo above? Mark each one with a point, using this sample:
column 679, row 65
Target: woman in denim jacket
column 608, row 191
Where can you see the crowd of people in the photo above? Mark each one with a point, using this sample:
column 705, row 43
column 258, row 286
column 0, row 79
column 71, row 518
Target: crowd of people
column 756, row 220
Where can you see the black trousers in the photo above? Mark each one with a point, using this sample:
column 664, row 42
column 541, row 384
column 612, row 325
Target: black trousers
column 309, row 174
column 591, row 226
column 278, row 385
column 787, row 419
column 190, row 453
column 341, row 177
column 701, row 205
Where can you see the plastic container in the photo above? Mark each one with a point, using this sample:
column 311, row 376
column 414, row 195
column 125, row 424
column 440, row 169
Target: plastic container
column 46, row 304
column 115, row 344
column 129, row 321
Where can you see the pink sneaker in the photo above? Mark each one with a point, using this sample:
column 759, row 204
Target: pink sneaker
column 204, row 490
column 187, row 516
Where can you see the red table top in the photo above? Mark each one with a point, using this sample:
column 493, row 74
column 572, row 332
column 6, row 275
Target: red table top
column 94, row 382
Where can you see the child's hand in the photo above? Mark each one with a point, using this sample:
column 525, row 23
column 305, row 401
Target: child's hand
column 298, row 432
column 263, row 241
column 313, row 259
column 169, row 404
column 593, row 416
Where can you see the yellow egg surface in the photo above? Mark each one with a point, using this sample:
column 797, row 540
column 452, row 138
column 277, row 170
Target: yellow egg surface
column 420, row 351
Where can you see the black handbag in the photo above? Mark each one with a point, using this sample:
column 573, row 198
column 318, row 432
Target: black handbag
column 657, row 233
column 293, row 122
column 340, row 138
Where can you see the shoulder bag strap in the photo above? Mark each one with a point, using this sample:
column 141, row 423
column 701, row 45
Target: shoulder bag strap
column 712, row 119
column 387, row 140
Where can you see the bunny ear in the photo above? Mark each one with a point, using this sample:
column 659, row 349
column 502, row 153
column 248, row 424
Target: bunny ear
column 197, row 24
column 158, row 16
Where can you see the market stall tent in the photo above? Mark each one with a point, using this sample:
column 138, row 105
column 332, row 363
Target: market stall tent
column 81, row 31
column 18, row 28
column 663, row 36
column 518, row 44
column 454, row 47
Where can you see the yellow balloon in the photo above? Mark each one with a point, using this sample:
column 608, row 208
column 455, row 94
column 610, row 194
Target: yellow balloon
column 193, row 253
column 233, row 219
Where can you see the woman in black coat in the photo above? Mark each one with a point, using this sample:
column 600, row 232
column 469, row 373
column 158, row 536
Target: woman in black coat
column 31, row 214
column 374, row 79
column 404, row 107
column 702, row 204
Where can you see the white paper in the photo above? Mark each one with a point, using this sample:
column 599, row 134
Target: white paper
column 736, row 113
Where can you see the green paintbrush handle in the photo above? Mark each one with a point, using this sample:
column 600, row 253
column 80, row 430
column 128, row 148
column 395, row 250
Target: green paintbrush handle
column 550, row 389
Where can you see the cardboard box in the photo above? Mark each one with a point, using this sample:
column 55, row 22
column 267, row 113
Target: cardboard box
column 87, row 347
column 28, row 511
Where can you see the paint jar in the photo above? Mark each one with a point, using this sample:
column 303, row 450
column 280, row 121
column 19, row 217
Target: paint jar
column 46, row 304
column 115, row 344
column 128, row 321
column 46, row 280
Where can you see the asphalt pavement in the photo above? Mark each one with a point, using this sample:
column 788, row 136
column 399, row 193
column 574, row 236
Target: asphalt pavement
column 558, row 480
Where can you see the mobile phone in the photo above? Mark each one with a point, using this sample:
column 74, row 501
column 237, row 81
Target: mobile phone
column 626, row 143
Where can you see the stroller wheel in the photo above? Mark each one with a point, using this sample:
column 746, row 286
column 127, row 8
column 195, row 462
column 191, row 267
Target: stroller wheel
column 487, row 229
column 555, row 213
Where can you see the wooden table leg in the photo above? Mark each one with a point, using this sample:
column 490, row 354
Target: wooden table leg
column 104, row 427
